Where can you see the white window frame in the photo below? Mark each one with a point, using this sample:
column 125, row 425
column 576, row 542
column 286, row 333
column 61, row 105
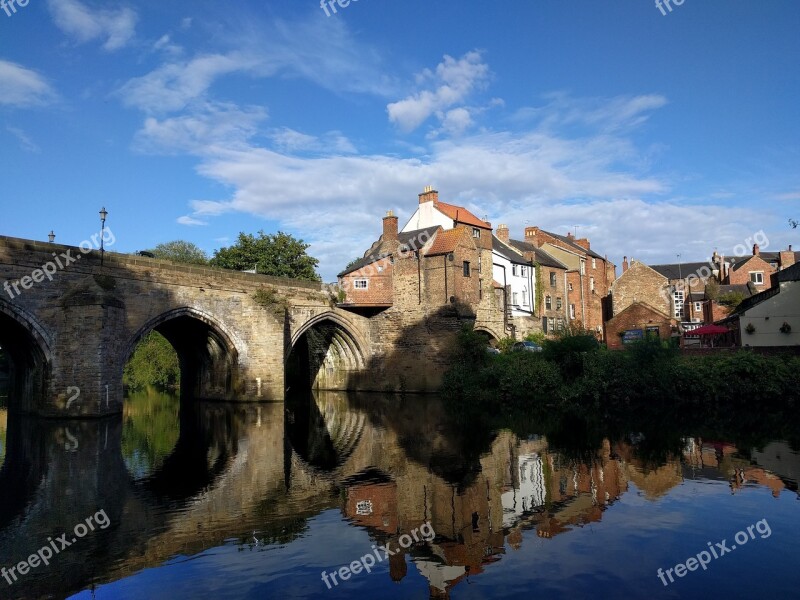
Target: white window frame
column 698, row 307
column 553, row 279
column 551, row 322
column 591, row 284
column 572, row 311
column 583, row 267
column 476, row 233
column 523, row 271
column 594, row 263
column 548, row 302
column 678, row 300
column 515, row 298
column 758, row 275
column 559, row 304
column 356, row 283
column 513, row 270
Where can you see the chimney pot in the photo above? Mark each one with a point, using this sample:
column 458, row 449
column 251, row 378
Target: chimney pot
column 755, row 250
column 624, row 263
column 429, row 195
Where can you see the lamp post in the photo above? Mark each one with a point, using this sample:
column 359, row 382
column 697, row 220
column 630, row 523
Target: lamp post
column 51, row 236
column 103, row 215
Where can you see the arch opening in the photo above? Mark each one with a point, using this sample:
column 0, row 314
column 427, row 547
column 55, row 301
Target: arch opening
column 24, row 365
column 325, row 355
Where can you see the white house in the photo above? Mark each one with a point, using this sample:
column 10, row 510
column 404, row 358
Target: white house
column 772, row 318
column 515, row 274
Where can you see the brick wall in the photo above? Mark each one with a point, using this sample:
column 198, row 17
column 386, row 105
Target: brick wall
column 637, row 316
column 378, row 277
column 643, row 284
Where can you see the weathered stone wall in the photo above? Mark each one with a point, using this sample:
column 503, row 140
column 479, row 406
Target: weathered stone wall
column 640, row 283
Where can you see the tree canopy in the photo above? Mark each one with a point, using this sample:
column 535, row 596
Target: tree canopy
column 278, row 254
column 181, row 251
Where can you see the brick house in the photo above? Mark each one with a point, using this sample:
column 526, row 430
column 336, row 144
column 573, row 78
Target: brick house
column 550, row 285
column 687, row 284
column 589, row 275
column 640, row 305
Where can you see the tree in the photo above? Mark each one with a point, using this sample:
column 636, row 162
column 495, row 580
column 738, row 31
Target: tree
column 154, row 362
column 181, row 251
column 278, row 254
column 712, row 289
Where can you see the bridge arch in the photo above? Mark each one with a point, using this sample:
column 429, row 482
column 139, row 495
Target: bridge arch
column 29, row 350
column 208, row 353
column 324, row 352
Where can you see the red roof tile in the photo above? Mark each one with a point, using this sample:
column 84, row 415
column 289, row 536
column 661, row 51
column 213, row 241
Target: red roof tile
column 445, row 242
column 461, row 214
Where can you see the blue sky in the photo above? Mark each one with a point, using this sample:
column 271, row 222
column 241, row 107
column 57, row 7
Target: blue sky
column 655, row 134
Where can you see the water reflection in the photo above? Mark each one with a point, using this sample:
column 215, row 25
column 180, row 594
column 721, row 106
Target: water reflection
column 3, row 429
column 149, row 430
column 281, row 492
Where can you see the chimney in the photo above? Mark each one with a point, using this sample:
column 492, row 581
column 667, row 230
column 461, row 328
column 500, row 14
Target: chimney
column 502, row 233
column 570, row 237
column 532, row 235
column 389, row 227
column 583, row 243
column 624, row 263
column 429, row 195
column 755, row 250
column 786, row 258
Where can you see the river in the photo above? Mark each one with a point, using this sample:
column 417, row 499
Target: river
column 274, row 501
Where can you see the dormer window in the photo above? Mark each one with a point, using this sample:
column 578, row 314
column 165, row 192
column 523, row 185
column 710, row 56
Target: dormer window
column 476, row 233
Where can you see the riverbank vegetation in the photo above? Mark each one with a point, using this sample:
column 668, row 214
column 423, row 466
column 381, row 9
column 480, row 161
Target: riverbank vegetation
column 574, row 378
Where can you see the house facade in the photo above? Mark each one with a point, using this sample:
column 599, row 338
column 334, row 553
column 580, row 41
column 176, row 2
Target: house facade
column 589, row 275
column 516, row 275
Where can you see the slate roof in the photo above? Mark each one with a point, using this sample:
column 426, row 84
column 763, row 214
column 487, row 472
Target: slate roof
column 461, row 214
column 539, row 255
column 507, row 253
column 571, row 243
column 414, row 240
column 675, row 271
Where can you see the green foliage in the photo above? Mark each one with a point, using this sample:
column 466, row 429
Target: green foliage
column 505, row 344
column 731, row 299
column 150, row 430
column 154, row 362
column 537, row 337
column 279, row 254
column 181, row 251
column 712, row 289
column 271, row 300
column 539, row 289
column 569, row 349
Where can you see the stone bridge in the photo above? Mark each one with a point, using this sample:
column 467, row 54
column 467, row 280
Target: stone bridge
column 70, row 320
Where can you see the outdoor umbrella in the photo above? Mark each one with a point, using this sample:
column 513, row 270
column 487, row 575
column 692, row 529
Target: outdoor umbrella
column 708, row 330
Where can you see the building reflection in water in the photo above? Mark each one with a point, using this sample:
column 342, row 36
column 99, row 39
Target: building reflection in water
column 260, row 473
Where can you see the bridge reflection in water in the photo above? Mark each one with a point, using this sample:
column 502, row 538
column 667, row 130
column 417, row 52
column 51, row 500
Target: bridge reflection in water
column 244, row 474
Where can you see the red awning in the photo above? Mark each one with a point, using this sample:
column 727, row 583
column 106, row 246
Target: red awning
column 708, row 330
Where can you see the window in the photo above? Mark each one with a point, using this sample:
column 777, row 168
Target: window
column 560, row 324
column 583, row 267
column 552, row 323
column 515, row 299
column 523, row 271
column 558, row 303
column 476, row 233
column 548, row 302
column 677, row 302
column 570, row 287
column 360, row 284
column 698, row 307
column 757, row 277
column 524, row 298
column 466, row 268
column 572, row 311
column 591, row 283
column 552, row 278
column 514, row 270
column 594, row 263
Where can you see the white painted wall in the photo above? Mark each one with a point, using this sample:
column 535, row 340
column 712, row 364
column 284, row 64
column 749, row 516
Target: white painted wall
column 522, row 285
column 427, row 216
column 532, row 491
column 768, row 316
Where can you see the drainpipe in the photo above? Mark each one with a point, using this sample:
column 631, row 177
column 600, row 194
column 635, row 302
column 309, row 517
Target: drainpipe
column 419, row 277
column 505, row 298
column 446, row 296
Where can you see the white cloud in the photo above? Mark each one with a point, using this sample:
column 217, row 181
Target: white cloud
column 84, row 23
column 207, row 126
column 290, row 141
column 190, row 221
column 453, row 82
column 25, row 142
column 23, row 87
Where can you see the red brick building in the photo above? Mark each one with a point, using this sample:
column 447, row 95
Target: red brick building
column 589, row 275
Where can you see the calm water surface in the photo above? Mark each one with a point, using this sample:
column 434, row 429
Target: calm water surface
column 242, row 501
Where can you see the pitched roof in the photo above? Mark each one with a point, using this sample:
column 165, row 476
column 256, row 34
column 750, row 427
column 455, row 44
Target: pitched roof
column 461, row 214
column 789, row 273
column 738, row 264
column 680, row 270
column 571, row 243
column 445, row 242
column 743, row 288
column 539, row 255
column 503, row 250
column 414, row 240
